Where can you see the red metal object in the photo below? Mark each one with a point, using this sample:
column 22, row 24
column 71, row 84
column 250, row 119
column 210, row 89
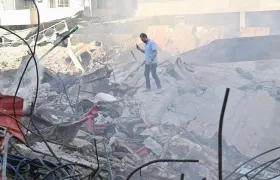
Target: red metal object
column 6, row 106
column 142, row 152
column 89, row 118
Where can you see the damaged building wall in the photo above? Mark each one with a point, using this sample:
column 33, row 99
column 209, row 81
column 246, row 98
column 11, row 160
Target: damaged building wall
column 8, row 5
column 23, row 13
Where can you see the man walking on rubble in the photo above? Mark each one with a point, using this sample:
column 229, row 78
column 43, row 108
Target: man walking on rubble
column 151, row 61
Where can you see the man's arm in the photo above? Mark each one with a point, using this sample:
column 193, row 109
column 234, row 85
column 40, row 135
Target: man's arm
column 154, row 49
column 143, row 51
column 154, row 55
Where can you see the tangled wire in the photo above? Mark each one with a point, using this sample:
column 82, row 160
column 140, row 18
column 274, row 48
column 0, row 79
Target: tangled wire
column 21, row 167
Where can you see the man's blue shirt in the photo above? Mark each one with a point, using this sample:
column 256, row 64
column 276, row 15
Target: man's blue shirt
column 150, row 46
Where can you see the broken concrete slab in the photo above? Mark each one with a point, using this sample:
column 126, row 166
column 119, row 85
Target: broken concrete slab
column 154, row 146
column 63, row 133
column 99, row 74
column 104, row 97
column 112, row 109
column 191, row 101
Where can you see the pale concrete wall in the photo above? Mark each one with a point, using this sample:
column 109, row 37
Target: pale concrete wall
column 27, row 16
column 112, row 39
column 7, row 5
column 181, row 7
column 19, row 5
column 104, row 12
column 15, row 17
column 169, row 7
column 269, row 5
column 51, row 14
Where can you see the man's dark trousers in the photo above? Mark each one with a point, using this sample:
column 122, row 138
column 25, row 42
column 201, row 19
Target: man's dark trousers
column 151, row 68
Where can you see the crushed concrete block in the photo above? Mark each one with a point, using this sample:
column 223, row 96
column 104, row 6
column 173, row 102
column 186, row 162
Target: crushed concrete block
column 114, row 110
column 179, row 141
column 112, row 140
column 152, row 132
column 126, row 159
column 122, row 90
column 82, row 134
column 63, row 133
column 81, row 143
column 97, row 86
column 101, row 73
column 105, row 97
column 154, row 146
column 85, row 104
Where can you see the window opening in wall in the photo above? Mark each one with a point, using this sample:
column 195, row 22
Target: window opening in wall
column 28, row 5
column 52, row 4
column 63, row 3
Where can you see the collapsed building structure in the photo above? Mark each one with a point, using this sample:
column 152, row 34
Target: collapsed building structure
column 92, row 116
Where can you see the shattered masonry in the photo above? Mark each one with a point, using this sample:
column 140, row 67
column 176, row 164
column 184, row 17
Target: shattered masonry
column 92, row 93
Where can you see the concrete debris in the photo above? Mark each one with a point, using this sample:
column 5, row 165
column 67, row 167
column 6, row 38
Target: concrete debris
column 114, row 110
column 62, row 133
column 99, row 74
column 105, row 97
column 152, row 132
column 105, row 102
column 153, row 146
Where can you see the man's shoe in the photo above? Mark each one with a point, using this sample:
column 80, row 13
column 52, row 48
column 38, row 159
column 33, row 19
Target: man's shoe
column 147, row 90
column 159, row 91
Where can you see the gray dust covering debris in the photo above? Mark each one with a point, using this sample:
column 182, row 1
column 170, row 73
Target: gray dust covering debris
column 93, row 92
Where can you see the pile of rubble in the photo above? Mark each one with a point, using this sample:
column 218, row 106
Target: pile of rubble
column 125, row 137
column 106, row 105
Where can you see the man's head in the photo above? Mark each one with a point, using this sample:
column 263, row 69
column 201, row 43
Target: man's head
column 144, row 37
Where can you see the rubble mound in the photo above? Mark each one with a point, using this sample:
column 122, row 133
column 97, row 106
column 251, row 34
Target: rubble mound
column 103, row 117
column 235, row 50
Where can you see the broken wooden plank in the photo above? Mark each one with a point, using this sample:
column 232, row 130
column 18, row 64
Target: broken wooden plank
column 75, row 59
